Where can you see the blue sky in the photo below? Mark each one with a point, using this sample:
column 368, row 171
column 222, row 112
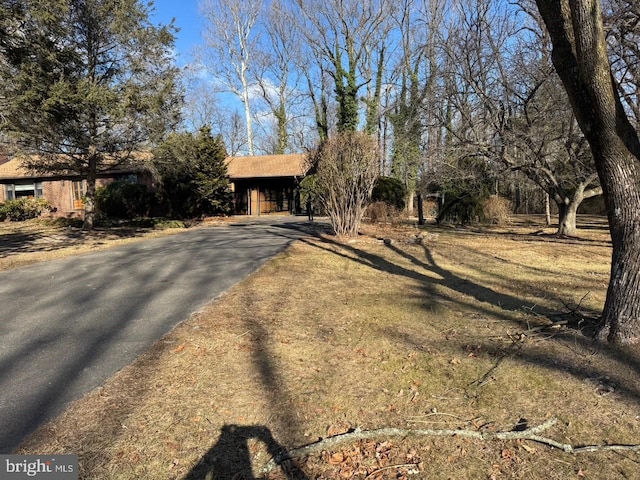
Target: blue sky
column 187, row 20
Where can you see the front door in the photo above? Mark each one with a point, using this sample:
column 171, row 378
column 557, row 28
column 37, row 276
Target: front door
column 254, row 201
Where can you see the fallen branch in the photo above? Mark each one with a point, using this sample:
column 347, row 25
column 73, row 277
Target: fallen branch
column 388, row 467
column 531, row 434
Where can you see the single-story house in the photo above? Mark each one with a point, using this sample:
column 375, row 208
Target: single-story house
column 64, row 192
column 266, row 184
column 261, row 185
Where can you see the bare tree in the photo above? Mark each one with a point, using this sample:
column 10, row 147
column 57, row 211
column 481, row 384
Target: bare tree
column 230, row 38
column 346, row 168
column 275, row 72
column 510, row 109
column 420, row 24
column 581, row 59
column 346, row 36
column 201, row 104
column 318, row 88
column 622, row 26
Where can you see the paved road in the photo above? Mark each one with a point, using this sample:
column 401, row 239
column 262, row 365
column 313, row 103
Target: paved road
column 68, row 325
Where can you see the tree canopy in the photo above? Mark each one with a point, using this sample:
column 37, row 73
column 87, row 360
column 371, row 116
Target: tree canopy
column 84, row 84
column 194, row 179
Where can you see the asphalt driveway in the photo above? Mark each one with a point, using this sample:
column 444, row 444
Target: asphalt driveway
column 68, row 325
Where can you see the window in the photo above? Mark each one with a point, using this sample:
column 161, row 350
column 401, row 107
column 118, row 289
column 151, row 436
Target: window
column 78, row 194
column 19, row 190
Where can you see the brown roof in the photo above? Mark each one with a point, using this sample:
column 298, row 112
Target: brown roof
column 14, row 169
column 292, row 165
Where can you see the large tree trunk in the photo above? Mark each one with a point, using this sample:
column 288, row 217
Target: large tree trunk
column 246, row 102
column 567, row 219
column 580, row 58
column 621, row 315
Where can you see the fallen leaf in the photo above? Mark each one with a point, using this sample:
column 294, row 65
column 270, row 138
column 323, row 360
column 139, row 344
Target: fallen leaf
column 337, row 429
column 179, row 348
column 336, row 459
column 346, row 472
column 529, row 449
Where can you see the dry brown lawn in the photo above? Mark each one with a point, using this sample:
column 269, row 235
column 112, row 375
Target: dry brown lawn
column 23, row 243
column 448, row 330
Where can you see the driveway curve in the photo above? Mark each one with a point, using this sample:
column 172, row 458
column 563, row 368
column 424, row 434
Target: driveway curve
column 68, row 325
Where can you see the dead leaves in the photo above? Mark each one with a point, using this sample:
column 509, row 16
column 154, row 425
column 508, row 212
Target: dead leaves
column 338, row 429
column 371, row 460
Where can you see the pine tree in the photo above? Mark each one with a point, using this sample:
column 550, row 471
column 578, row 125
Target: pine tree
column 84, row 84
column 194, row 176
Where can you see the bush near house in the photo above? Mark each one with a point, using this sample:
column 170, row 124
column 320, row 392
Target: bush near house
column 23, row 209
column 123, row 200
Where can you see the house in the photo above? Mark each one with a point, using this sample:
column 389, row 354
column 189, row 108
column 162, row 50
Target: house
column 64, row 192
column 266, row 184
column 261, row 185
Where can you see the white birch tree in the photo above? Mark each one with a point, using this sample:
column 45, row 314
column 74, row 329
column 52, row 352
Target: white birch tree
column 230, row 40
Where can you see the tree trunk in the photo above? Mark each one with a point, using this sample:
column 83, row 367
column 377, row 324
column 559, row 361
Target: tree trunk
column 409, row 208
column 567, row 219
column 420, row 210
column 580, row 57
column 547, row 208
column 621, row 315
column 518, row 201
column 90, row 195
column 247, row 110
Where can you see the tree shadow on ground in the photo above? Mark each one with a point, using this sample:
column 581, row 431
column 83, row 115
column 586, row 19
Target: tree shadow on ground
column 619, row 365
column 230, row 457
column 534, row 236
column 27, row 242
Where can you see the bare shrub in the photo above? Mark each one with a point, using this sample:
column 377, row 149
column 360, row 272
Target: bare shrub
column 380, row 212
column 346, row 169
column 496, row 210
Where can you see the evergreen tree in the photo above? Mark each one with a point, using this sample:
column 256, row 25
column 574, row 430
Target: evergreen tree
column 84, row 84
column 194, row 176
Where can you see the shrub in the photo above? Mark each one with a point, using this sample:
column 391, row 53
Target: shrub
column 346, row 167
column 468, row 208
column 23, row 209
column 381, row 212
column 496, row 210
column 123, row 200
column 389, row 190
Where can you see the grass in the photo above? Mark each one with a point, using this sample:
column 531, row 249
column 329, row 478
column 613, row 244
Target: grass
column 438, row 332
column 37, row 240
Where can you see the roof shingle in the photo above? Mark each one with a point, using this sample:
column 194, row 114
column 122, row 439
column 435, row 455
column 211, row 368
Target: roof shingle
column 13, row 169
column 292, row 165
